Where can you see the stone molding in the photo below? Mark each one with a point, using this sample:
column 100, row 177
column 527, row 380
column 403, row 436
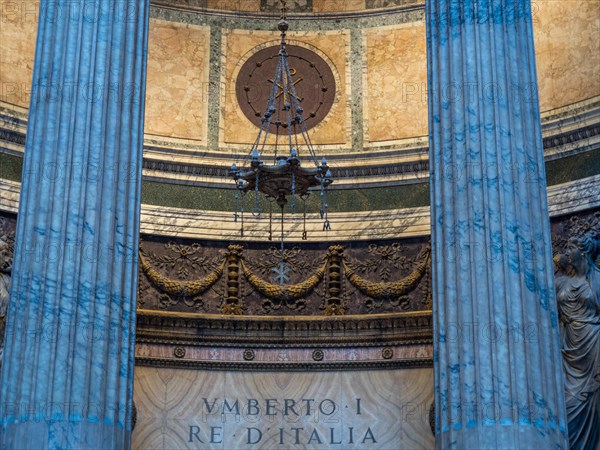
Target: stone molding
column 566, row 132
column 216, row 342
column 371, row 10
column 565, row 198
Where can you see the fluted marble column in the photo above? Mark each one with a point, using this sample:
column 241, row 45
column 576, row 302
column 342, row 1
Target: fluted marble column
column 498, row 382
column 67, row 374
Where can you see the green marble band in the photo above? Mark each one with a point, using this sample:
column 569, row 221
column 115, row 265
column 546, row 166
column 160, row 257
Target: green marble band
column 558, row 171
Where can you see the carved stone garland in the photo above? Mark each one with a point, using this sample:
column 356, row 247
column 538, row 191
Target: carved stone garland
column 334, row 268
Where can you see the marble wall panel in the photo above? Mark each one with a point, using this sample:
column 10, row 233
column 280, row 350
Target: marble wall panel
column 565, row 198
column 394, row 82
column 18, row 29
column 567, row 43
column 177, row 92
column 325, row 6
column 567, row 40
column 352, row 410
column 239, row 45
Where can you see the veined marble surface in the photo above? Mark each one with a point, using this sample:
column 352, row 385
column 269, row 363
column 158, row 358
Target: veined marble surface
column 205, row 410
column 490, row 236
column 85, row 305
column 567, row 131
column 567, row 42
column 566, row 198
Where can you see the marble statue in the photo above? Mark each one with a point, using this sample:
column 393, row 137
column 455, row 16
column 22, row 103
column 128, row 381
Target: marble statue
column 5, row 267
column 578, row 297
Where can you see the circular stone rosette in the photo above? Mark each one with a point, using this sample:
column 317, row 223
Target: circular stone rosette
column 387, row 353
column 179, row 352
column 318, row 355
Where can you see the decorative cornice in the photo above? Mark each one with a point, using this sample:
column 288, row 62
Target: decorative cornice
column 243, row 366
column 563, row 136
column 565, row 198
column 199, row 7
column 309, row 343
column 12, row 136
column 570, row 137
column 171, row 328
column 360, row 171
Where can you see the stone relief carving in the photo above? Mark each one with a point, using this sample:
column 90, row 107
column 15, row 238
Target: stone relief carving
column 274, row 6
column 395, row 292
column 6, row 256
column 330, row 280
column 578, row 298
column 181, row 262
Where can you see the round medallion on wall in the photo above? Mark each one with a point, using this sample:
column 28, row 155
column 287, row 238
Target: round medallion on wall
column 387, row 353
column 318, row 355
column 314, row 83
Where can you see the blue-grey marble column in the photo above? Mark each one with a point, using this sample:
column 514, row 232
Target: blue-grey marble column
column 67, row 373
column 498, row 382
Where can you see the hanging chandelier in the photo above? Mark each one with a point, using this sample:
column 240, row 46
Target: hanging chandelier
column 283, row 177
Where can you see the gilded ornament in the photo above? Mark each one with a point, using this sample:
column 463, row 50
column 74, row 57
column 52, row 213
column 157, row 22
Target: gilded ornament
column 181, row 288
column 247, row 275
column 388, row 290
column 233, row 304
column 334, row 310
column 283, row 293
column 232, row 309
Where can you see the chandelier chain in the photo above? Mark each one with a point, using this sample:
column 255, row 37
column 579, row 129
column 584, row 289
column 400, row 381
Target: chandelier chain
column 286, row 176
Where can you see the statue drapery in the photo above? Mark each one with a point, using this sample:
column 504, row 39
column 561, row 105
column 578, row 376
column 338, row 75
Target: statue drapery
column 578, row 297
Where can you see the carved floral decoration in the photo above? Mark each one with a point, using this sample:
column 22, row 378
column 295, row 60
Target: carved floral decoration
column 234, row 280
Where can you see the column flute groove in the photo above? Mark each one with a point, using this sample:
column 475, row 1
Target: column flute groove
column 496, row 386
column 67, row 374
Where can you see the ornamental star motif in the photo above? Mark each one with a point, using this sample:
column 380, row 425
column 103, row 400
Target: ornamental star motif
column 281, row 273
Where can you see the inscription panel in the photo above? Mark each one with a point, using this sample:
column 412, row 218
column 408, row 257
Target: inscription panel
column 386, row 409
